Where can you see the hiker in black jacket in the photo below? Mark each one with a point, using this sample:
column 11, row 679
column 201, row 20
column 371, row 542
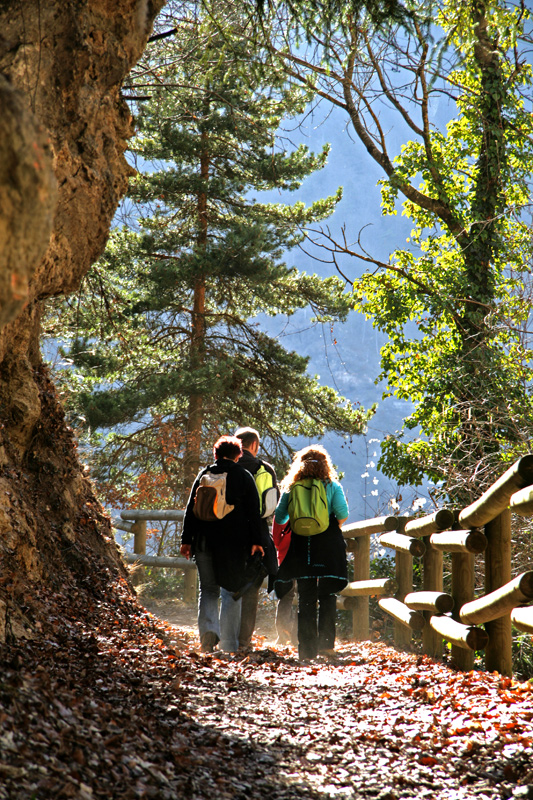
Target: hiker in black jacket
column 249, row 460
column 221, row 548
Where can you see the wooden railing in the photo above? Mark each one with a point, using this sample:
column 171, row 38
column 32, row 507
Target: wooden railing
column 135, row 521
column 483, row 528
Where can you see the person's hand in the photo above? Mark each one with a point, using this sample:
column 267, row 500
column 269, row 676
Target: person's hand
column 256, row 548
column 185, row 550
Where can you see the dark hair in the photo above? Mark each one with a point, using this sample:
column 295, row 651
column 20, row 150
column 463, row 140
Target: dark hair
column 227, row 447
column 248, row 437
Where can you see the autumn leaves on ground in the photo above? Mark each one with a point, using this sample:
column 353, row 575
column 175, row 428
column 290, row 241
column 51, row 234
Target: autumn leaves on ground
column 124, row 705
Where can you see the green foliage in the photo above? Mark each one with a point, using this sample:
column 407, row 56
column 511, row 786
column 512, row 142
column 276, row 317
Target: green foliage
column 161, row 583
column 165, row 341
column 455, row 302
column 522, row 655
column 327, row 16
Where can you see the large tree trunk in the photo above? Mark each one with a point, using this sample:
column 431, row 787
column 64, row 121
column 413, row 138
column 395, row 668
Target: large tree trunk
column 195, row 413
column 63, row 131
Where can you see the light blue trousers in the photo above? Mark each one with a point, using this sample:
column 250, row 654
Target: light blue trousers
column 226, row 621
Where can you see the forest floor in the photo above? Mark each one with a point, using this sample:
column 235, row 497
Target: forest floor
column 129, row 707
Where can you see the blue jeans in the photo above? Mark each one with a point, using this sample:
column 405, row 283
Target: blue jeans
column 225, row 622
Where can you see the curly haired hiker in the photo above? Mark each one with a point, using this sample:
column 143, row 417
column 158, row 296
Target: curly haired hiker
column 313, row 501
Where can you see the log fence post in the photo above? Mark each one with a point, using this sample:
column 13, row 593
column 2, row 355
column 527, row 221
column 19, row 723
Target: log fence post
column 403, row 569
column 139, row 537
column 499, row 654
column 432, row 577
column 522, row 618
column 361, row 572
column 191, row 581
column 404, row 580
column 463, row 583
column 139, row 548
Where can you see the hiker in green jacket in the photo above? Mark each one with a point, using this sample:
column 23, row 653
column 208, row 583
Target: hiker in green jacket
column 317, row 560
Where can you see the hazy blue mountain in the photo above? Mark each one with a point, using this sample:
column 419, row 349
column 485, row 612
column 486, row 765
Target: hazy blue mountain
column 347, row 357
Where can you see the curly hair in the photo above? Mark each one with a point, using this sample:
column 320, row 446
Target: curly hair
column 310, row 462
column 227, row 447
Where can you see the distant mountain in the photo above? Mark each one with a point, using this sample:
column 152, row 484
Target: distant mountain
column 347, row 358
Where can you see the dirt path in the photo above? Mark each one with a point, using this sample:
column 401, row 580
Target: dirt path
column 184, row 616
column 372, row 723
column 128, row 708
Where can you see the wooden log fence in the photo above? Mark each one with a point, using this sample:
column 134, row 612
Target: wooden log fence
column 481, row 529
column 135, row 521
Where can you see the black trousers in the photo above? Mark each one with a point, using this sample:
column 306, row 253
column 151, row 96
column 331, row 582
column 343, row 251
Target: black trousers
column 317, row 608
column 285, row 620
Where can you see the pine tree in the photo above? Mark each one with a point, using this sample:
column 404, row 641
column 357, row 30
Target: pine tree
column 165, row 336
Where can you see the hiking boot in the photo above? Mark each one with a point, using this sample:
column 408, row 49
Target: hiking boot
column 209, row 641
column 329, row 652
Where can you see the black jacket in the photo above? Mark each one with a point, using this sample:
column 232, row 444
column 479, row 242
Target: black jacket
column 322, row 556
column 252, row 464
column 230, row 539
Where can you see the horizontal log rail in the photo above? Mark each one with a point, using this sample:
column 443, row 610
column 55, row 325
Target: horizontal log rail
column 159, row 561
column 403, row 544
column 500, row 602
column 367, row 527
column 522, row 502
column 466, row 637
column 473, row 541
column 522, row 618
column 432, row 523
column 370, row 588
column 120, row 525
column 402, row 613
column 436, row 602
column 154, row 515
column 346, row 603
